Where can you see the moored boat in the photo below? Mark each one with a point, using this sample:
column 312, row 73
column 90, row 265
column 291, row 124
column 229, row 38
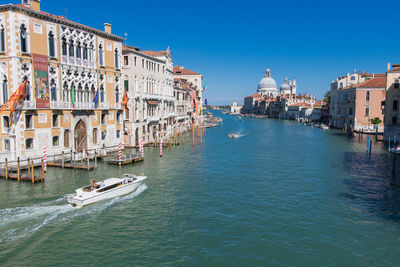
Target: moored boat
column 109, row 188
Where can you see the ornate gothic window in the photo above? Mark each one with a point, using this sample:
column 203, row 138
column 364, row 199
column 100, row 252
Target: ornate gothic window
column 85, row 52
column 64, row 46
column 53, row 90
column 5, row 91
column 101, row 94
column 101, row 55
column 52, row 52
column 23, row 38
column 86, row 94
column 65, row 92
column 78, row 50
column 71, row 48
column 116, row 95
column 116, row 59
column 28, row 91
column 2, row 39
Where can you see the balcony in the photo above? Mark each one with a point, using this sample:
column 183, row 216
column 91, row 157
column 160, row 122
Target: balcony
column 29, row 104
column 103, row 105
column 154, row 119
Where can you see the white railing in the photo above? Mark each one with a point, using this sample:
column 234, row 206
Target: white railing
column 103, row 105
column 154, row 119
column 28, row 104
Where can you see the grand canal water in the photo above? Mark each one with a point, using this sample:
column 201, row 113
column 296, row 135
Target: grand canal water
column 282, row 194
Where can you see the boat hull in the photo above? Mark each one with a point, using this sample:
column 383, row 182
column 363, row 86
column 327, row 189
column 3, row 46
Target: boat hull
column 115, row 192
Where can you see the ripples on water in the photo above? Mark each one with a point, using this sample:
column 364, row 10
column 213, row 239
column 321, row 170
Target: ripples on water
column 281, row 194
column 20, row 222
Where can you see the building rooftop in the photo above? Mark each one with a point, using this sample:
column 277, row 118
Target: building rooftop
column 58, row 19
column 180, row 70
column 377, row 82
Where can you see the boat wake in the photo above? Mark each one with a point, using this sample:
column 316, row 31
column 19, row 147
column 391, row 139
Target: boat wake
column 19, row 222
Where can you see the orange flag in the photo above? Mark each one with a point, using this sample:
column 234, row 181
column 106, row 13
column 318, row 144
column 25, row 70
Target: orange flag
column 124, row 101
column 11, row 104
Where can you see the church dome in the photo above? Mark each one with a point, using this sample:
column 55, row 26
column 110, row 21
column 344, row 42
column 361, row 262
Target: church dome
column 267, row 85
column 285, row 87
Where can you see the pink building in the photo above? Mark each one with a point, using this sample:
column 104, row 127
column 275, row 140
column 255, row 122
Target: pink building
column 357, row 104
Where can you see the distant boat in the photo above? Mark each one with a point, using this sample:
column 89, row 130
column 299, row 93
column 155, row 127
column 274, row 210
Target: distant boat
column 112, row 187
column 234, row 135
column 240, row 118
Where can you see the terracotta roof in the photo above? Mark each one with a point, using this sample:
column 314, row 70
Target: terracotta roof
column 182, row 71
column 129, row 48
column 395, row 69
column 377, row 82
column 155, row 53
column 301, row 104
column 24, row 7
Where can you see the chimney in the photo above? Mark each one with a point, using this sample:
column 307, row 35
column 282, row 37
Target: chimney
column 107, row 28
column 388, row 66
column 34, row 4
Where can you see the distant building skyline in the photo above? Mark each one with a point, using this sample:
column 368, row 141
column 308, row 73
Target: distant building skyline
column 232, row 45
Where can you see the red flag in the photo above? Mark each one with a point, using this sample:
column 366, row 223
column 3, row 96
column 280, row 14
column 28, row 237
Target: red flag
column 20, row 94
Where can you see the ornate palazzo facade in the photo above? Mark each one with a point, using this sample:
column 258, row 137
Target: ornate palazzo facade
column 67, row 66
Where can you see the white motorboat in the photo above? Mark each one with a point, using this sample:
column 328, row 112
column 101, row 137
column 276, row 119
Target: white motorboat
column 234, row 135
column 324, row 127
column 109, row 188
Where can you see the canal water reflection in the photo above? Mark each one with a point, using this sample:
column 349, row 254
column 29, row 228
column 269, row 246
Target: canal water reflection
column 282, row 193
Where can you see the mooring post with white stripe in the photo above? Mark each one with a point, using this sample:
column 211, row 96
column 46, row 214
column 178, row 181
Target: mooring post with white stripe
column 45, row 158
column 119, row 154
column 161, row 147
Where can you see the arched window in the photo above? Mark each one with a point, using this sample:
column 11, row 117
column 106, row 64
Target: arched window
column 79, row 93
column 71, row 48
column 53, row 90
column 23, row 39
column 85, row 52
column 5, row 91
column 90, row 52
column 52, row 52
column 65, row 92
column 73, row 100
column 116, row 59
column 86, row 94
column 64, row 46
column 28, row 91
column 78, row 50
column 2, row 39
column 101, row 94
column 116, row 95
column 101, row 55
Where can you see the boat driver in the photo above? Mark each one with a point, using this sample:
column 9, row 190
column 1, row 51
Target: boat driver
column 102, row 184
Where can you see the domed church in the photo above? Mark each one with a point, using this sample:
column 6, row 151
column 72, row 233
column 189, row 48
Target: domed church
column 288, row 87
column 267, row 86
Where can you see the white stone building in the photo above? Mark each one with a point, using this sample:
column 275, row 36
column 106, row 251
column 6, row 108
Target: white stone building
column 148, row 78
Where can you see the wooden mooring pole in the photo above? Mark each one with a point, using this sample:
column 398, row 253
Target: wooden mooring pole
column 95, row 159
column 29, row 168
column 33, row 173
column 62, row 160
column 6, row 169
column 88, row 161
column 18, row 170
column 394, row 166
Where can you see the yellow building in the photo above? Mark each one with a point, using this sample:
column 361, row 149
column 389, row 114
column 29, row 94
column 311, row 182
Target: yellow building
column 67, row 65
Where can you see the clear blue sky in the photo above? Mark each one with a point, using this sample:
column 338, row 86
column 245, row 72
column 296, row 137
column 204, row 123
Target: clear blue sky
column 232, row 43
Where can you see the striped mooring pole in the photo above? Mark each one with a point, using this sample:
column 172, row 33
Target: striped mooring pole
column 141, row 145
column 161, row 146
column 119, row 154
column 45, row 158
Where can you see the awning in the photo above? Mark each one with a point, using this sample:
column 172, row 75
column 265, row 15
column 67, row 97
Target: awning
column 152, row 102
